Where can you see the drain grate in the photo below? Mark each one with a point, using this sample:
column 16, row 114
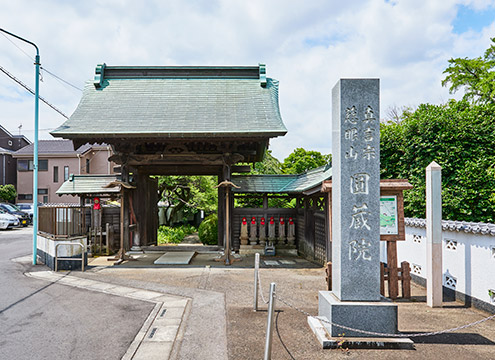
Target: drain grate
column 163, row 312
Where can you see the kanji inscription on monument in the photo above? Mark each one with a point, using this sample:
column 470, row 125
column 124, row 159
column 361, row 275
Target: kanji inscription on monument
column 356, row 190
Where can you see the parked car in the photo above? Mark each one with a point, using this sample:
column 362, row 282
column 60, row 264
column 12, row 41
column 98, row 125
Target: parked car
column 23, row 217
column 28, row 208
column 8, row 221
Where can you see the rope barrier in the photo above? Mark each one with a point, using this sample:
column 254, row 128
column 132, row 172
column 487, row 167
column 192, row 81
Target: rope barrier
column 403, row 335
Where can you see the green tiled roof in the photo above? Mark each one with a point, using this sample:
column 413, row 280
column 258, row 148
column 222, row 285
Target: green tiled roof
column 282, row 183
column 88, row 185
column 140, row 102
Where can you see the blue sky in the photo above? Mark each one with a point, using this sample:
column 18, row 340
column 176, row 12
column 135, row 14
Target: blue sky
column 306, row 45
column 471, row 19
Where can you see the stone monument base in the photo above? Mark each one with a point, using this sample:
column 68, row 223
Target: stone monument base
column 376, row 316
column 245, row 250
column 328, row 342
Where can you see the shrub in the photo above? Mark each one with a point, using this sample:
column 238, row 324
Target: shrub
column 208, row 230
column 174, row 235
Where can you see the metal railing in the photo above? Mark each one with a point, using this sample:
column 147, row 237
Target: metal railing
column 69, row 258
column 62, row 221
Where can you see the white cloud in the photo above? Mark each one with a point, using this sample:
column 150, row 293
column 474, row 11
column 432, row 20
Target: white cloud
column 308, row 46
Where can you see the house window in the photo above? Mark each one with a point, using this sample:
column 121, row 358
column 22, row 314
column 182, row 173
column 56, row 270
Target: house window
column 87, row 166
column 28, row 165
column 42, row 165
column 45, row 199
column 55, row 174
column 22, row 165
column 42, row 191
column 66, row 173
column 25, row 197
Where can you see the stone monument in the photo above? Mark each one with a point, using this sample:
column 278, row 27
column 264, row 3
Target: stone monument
column 291, row 232
column 244, row 232
column 281, row 231
column 355, row 299
column 262, row 232
column 253, row 239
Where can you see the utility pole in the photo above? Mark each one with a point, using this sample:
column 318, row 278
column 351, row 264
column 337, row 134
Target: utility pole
column 35, row 152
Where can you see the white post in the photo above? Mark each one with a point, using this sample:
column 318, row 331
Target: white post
column 269, row 325
column 434, row 291
column 256, row 270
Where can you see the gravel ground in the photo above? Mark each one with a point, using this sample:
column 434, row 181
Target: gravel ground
column 299, row 285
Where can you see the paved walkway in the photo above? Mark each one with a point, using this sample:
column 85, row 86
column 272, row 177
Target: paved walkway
column 218, row 321
column 228, row 314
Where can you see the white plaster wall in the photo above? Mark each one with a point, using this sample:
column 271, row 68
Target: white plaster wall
column 470, row 260
column 48, row 246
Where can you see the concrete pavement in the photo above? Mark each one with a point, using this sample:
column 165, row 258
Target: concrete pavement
column 218, row 321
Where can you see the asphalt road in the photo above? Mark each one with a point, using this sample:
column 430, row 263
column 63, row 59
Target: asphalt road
column 44, row 320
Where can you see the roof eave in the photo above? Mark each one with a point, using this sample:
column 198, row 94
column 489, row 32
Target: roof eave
column 183, row 135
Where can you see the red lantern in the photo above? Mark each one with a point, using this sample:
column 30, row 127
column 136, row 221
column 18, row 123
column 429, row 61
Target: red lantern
column 253, row 220
column 244, row 221
column 262, row 221
column 96, row 203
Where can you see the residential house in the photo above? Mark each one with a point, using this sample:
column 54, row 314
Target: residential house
column 57, row 160
column 8, row 165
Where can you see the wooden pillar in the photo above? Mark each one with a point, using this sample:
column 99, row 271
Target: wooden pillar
column 139, row 204
column 234, row 243
column 393, row 276
column 153, row 211
column 221, row 212
column 125, row 208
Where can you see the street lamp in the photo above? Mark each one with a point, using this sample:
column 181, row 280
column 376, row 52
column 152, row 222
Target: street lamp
column 35, row 152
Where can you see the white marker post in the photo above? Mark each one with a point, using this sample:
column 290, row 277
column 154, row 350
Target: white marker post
column 434, row 290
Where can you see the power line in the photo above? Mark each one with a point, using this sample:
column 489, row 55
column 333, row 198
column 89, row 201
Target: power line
column 41, row 67
column 60, row 79
column 17, row 46
column 31, row 91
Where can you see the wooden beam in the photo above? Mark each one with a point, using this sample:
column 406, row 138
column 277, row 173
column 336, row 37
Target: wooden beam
column 241, row 168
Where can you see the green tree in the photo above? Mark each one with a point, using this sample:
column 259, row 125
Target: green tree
column 459, row 136
column 269, row 165
column 188, row 194
column 8, row 192
column 476, row 76
column 301, row 160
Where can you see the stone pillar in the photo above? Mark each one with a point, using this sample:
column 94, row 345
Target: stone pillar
column 355, row 299
column 434, row 286
column 356, row 190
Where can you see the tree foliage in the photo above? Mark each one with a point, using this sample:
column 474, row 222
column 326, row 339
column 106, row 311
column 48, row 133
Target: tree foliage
column 460, row 137
column 476, row 76
column 208, row 230
column 188, row 194
column 269, row 165
column 8, row 192
column 301, row 160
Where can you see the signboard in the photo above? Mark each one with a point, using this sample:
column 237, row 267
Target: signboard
column 388, row 215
